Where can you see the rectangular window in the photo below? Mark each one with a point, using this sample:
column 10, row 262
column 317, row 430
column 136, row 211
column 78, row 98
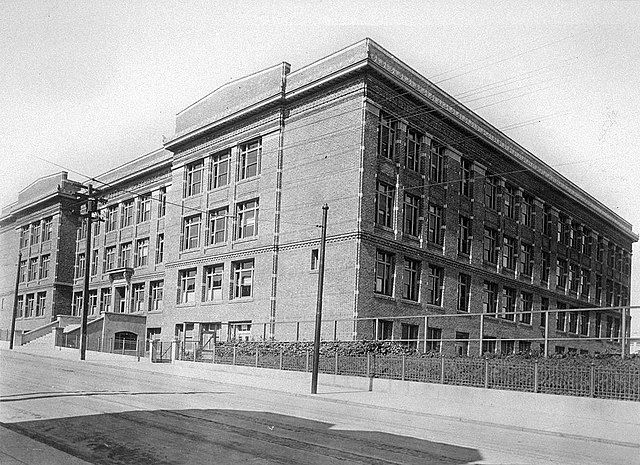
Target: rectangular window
column 247, row 219
column 609, row 296
column 219, row 173
column 583, row 323
column 412, row 159
column 217, row 233
column 562, row 273
column 384, row 273
column 126, row 213
column 76, row 306
column 22, row 271
column 574, row 277
column 465, row 177
column 35, row 233
column 384, row 204
column 111, row 220
column 526, row 210
column 435, row 285
column 160, row 248
column 410, row 213
column 187, row 286
column 315, row 260
column 250, row 159
column 561, row 318
column 526, row 307
column 20, row 305
column 509, row 198
column 435, row 233
column 464, row 235
column 94, row 262
column 142, row 252
column 156, row 294
column 47, row 229
column 546, row 267
column 105, row 300
column 109, row 262
column 125, row 255
column 462, row 344
column 411, row 280
column 33, row 268
column 41, row 304
column 576, row 236
column 587, row 239
column 526, row 259
column 490, row 298
column 144, row 208
column 508, row 303
column 509, row 253
column 24, row 236
column 434, row 339
column 586, row 283
column 80, row 260
column 240, row 331
column 31, row 304
column 384, row 330
column 490, row 246
column 243, row 279
column 608, row 328
column 386, row 136
column 409, row 335
column 544, row 305
column 598, row 295
column 573, row 322
column 191, row 232
column 44, row 266
column 507, row 347
column 600, row 249
column 491, row 192
column 93, row 302
column 436, row 164
column 137, row 297
column 546, row 220
column 82, row 229
column 193, row 178
column 162, row 202
column 464, row 292
column 212, row 284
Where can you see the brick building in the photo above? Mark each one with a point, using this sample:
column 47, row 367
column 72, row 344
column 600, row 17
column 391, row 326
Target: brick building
column 433, row 212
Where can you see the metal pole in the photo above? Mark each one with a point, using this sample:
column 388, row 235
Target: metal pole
column 90, row 205
column 426, row 325
column 316, row 340
column 481, row 334
column 623, row 341
column 15, row 304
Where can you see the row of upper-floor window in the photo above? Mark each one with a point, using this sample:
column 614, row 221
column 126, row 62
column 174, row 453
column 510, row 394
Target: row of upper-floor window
column 215, row 170
column 142, row 297
column 499, row 194
column 34, row 268
column 130, row 211
column 130, row 254
column 31, row 305
column 36, row 232
column 244, row 224
column 503, row 301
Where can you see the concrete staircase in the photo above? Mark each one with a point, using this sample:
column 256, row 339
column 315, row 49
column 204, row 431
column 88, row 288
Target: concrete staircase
column 41, row 344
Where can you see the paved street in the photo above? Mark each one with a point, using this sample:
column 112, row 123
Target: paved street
column 56, row 410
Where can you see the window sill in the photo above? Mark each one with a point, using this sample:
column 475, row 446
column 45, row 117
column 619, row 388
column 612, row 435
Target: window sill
column 384, row 296
column 240, row 300
column 410, row 302
column 247, row 180
column 186, row 305
column 212, row 302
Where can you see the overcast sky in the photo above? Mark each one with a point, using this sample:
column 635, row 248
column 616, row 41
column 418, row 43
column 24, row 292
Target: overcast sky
column 91, row 85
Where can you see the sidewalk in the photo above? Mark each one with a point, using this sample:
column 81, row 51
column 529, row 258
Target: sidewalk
column 594, row 420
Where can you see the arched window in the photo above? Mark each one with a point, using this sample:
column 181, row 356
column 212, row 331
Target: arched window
column 125, row 340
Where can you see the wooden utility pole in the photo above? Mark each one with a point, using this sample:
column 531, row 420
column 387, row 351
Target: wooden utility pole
column 316, row 339
column 15, row 304
column 91, row 208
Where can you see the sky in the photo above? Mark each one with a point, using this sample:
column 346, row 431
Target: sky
column 86, row 86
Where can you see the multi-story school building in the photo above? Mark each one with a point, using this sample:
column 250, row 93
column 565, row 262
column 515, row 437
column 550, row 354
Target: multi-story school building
column 440, row 227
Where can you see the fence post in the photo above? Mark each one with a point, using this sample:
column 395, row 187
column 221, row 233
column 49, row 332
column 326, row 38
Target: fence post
column 403, row 366
column 233, row 360
column 257, row 349
column 442, row 369
column 213, row 353
column 195, row 348
column 368, row 364
column 335, row 365
column 123, row 347
column 137, row 346
column 486, row 373
column 535, row 376
column 426, row 323
column 592, row 380
column 281, row 353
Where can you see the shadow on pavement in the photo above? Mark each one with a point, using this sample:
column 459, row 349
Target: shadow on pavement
column 230, row 436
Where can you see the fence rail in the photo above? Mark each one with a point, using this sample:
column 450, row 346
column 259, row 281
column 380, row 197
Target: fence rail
column 550, row 376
